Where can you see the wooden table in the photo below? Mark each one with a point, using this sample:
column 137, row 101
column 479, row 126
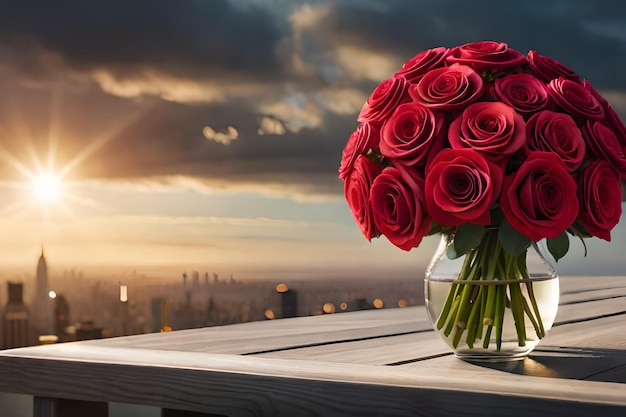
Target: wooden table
column 367, row 363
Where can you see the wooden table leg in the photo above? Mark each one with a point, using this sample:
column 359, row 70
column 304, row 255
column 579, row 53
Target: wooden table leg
column 59, row 407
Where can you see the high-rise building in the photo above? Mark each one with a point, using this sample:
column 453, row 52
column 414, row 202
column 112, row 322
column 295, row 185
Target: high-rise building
column 15, row 331
column 62, row 317
column 289, row 301
column 42, row 306
column 41, row 283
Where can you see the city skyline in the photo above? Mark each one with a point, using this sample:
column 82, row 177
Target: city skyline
column 207, row 135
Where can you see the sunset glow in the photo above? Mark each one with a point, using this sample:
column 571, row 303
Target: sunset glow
column 46, row 188
column 217, row 149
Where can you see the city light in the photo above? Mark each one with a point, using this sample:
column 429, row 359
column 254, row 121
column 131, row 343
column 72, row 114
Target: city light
column 52, row 295
column 123, row 293
column 343, row 306
column 401, row 303
column 281, row 288
column 269, row 314
column 329, row 308
column 378, row 303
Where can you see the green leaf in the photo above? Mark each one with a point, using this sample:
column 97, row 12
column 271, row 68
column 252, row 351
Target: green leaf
column 496, row 215
column 467, row 237
column 434, row 229
column 511, row 239
column 579, row 230
column 558, row 246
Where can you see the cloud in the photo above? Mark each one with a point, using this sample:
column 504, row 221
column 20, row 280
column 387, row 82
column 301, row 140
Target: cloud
column 149, row 47
column 224, row 137
column 269, row 125
column 288, row 76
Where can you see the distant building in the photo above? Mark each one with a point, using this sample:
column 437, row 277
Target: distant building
column 61, row 318
column 41, row 307
column 289, row 301
column 15, row 329
column 160, row 314
column 41, row 282
column 87, row 331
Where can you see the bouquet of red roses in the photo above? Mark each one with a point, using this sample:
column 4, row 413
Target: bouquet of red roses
column 493, row 147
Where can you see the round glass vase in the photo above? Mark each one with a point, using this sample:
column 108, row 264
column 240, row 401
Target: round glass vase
column 489, row 305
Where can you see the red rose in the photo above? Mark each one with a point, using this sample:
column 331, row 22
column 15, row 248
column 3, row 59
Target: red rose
column 523, row 92
column 365, row 137
column 410, row 132
column 487, row 55
column 357, row 191
column 575, row 99
column 556, row 132
column 600, row 197
column 611, row 118
column 546, row 68
column 384, row 100
column 398, row 206
column 603, row 143
column 539, row 199
column 415, row 68
column 448, row 87
column 491, row 128
column 461, row 187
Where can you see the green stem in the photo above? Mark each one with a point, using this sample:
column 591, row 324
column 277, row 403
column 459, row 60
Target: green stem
column 517, row 308
column 499, row 314
column 445, row 312
column 477, row 301
column 453, row 309
column 523, row 269
column 472, row 322
column 487, row 338
column 443, row 317
column 531, row 316
column 481, row 320
column 490, row 307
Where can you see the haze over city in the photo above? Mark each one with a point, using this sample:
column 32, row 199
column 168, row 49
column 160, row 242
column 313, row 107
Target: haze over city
column 165, row 136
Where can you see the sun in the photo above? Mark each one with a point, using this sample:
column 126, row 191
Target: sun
column 46, row 187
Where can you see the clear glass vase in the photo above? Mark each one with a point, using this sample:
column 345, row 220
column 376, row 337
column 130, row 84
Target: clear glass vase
column 488, row 304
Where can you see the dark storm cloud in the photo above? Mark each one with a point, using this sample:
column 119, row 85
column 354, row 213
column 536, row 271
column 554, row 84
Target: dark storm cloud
column 588, row 35
column 183, row 38
column 217, row 43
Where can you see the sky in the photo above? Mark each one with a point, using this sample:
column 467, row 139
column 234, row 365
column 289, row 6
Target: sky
column 207, row 134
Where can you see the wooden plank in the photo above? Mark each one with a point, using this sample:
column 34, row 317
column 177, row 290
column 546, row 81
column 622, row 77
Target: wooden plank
column 243, row 386
column 423, row 345
column 574, row 284
column 571, row 351
column 380, row 351
column 59, row 407
column 565, row 364
column 591, row 295
column 281, row 334
column 617, row 374
column 600, row 333
column 589, row 310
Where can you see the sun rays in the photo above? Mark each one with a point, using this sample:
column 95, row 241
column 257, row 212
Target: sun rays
column 42, row 183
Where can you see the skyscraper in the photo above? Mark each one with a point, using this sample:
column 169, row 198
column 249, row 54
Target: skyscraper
column 15, row 331
column 41, row 284
column 42, row 314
